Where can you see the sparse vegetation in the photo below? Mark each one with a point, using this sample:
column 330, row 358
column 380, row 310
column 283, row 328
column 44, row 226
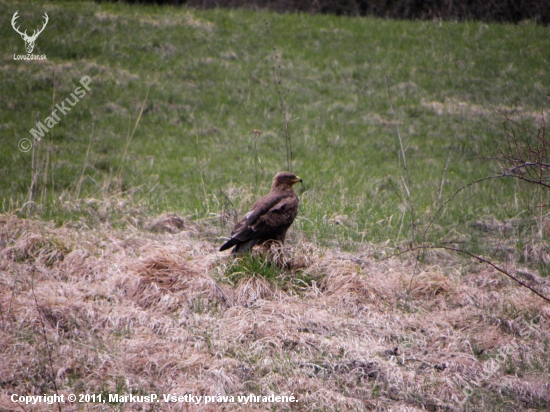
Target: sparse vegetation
column 110, row 279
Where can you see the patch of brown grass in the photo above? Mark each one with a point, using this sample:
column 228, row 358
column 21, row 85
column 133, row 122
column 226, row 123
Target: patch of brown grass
column 167, row 283
column 147, row 311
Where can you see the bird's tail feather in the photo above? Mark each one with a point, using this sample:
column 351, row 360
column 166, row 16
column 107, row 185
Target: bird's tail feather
column 245, row 246
column 240, row 247
column 228, row 244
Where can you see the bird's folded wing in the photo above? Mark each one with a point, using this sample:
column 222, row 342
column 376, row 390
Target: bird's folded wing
column 263, row 206
column 281, row 215
column 268, row 213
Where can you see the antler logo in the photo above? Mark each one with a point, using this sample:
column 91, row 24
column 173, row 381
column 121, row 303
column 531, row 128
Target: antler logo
column 29, row 40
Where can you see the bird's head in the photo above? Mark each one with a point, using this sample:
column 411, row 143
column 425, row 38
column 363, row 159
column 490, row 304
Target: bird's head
column 284, row 180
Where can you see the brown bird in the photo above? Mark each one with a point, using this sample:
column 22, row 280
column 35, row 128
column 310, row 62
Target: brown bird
column 269, row 218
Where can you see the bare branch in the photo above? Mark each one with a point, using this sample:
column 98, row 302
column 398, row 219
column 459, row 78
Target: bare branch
column 480, row 259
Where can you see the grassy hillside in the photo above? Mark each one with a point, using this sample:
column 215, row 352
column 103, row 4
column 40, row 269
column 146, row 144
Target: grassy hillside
column 207, row 80
column 110, row 279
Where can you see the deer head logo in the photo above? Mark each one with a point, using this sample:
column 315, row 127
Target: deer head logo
column 29, row 40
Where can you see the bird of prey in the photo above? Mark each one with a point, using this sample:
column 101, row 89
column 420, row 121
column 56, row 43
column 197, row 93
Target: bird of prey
column 269, row 218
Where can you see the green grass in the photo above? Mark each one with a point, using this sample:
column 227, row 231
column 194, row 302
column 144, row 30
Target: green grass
column 208, row 75
column 270, row 267
column 249, row 265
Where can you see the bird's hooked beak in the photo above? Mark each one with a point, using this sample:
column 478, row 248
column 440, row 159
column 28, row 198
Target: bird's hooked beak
column 298, row 179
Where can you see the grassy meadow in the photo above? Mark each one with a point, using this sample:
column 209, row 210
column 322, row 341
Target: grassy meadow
column 207, row 81
column 110, row 224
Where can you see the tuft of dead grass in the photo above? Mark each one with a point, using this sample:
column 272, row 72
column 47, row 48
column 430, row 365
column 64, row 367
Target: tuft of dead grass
column 166, row 283
column 169, row 222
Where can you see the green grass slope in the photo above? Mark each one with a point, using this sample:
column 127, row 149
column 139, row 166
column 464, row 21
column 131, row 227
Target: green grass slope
column 207, row 76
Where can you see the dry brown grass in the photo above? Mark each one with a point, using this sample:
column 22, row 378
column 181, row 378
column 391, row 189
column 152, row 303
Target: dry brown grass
column 146, row 310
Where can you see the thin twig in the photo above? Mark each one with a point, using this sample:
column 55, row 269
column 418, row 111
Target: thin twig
column 284, row 110
column 48, row 349
column 78, row 186
column 406, row 183
column 52, row 151
column 407, row 179
column 33, row 168
column 480, row 259
column 442, row 182
column 199, row 161
column 133, row 131
column 440, row 209
column 450, row 199
column 257, row 133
